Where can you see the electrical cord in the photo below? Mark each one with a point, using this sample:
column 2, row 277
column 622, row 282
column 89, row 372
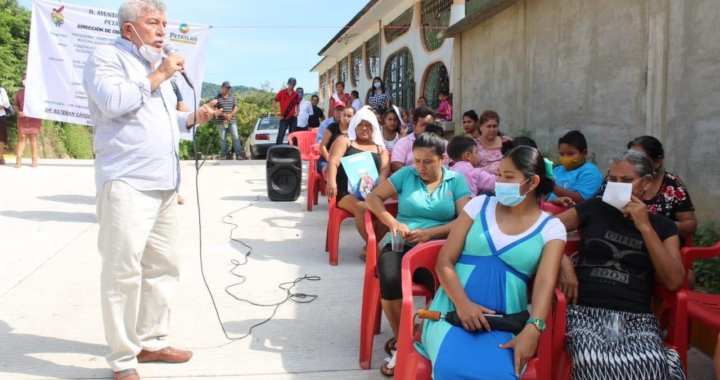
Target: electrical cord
column 300, row 298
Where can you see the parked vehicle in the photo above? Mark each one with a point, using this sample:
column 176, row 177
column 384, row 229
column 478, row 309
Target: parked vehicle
column 262, row 137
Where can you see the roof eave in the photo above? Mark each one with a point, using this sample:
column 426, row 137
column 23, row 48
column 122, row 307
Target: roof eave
column 481, row 15
column 352, row 22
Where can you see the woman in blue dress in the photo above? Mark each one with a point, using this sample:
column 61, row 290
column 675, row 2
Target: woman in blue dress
column 496, row 246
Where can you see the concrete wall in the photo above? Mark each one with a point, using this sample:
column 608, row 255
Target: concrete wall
column 613, row 69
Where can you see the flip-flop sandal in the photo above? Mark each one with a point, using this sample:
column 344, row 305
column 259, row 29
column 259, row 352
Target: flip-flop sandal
column 390, row 346
column 387, row 369
column 128, row 374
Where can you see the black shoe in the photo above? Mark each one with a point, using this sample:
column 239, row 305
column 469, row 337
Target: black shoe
column 228, row 157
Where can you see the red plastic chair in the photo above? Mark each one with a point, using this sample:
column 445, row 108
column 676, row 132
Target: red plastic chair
column 551, row 208
column 677, row 328
column 305, row 140
column 410, row 365
column 316, row 182
column 371, row 308
column 332, row 238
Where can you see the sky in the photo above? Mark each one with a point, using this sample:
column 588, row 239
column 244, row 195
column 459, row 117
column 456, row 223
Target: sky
column 256, row 50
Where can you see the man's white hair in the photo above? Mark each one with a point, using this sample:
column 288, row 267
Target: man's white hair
column 131, row 10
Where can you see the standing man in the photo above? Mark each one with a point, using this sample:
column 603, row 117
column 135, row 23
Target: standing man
column 318, row 115
column 305, row 110
column 137, row 171
column 287, row 115
column 228, row 103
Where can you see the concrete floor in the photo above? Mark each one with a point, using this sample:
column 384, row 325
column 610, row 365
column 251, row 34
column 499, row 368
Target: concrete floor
column 50, row 323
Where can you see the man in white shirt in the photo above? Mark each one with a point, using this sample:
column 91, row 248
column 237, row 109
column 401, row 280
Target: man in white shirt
column 356, row 103
column 137, row 173
column 305, row 111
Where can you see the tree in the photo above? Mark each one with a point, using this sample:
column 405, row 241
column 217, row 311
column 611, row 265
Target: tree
column 14, row 38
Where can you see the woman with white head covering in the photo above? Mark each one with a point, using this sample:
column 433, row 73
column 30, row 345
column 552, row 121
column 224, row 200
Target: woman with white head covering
column 364, row 135
column 394, row 128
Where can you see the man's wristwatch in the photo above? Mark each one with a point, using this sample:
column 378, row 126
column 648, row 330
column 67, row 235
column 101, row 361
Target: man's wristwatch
column 538, row 323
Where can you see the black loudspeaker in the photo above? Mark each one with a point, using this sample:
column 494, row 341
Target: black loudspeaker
column 284, row 173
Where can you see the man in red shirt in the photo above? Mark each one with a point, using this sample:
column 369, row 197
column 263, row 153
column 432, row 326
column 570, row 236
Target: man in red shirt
column 340, row 95
column 289, row 101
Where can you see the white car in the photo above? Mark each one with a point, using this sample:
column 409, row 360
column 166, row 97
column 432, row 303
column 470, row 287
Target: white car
column 263, row 137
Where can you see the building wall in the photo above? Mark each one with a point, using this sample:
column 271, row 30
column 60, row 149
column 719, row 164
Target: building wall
column 613, row 69
column 413, row 40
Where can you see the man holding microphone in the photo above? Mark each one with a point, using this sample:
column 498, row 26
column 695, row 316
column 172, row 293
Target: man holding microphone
column 137, row 172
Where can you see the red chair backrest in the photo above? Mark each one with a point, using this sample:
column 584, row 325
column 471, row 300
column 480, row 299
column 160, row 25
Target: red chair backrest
column 305, row 141
column 371, row 261
column 552, row 209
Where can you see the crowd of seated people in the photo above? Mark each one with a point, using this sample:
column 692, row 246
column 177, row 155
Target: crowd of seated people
column 483, row 191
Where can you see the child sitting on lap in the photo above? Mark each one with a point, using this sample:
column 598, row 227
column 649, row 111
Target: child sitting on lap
column 463, row 151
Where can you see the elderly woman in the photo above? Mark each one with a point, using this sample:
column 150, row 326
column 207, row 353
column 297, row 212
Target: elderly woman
column 667, row 194
column 623, row 250
column 28, row 129
column 430, row 197
column 363, row 136
column 497, row 245
column 490, row 142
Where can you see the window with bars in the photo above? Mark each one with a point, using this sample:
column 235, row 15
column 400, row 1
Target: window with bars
column 357, row 66
column 400, row 79
column 343, row 70
column 331, row 82
column 399, row 26
column 372, row 65
column 436, row 80
column 471, row 6
column 435, row 18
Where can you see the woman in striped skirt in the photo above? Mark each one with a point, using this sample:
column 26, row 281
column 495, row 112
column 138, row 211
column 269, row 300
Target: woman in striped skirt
column 623, row 249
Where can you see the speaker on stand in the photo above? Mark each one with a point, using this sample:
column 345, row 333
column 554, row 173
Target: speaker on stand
column 284, row 173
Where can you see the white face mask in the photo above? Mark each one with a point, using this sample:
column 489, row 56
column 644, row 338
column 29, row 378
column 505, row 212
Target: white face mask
column 617, row 194
column 148, row 52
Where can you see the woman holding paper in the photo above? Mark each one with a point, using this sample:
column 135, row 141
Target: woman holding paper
column 364, row 137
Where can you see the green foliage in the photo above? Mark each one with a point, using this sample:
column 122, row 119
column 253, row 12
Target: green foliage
column 78, row 141
column 14, row 36
column 707, row 271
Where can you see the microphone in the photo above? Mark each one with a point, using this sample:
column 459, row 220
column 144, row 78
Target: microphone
column 169, row 49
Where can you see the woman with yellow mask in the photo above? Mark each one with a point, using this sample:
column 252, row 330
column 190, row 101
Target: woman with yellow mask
column 576, row 178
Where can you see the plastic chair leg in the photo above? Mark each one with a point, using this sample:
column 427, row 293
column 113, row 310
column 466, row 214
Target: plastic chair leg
column 370, row 318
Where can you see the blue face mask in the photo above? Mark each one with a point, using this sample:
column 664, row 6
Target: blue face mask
column 508, row 194
column 377, row 84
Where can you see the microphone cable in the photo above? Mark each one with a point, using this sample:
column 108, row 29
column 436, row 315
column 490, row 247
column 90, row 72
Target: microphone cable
column 301, row 298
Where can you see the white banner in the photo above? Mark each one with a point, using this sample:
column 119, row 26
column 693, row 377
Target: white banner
column 62, row 36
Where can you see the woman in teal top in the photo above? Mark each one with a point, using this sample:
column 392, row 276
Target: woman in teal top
column 429, row 199
column 496, row 246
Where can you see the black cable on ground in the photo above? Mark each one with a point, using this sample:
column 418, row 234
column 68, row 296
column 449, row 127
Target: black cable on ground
column 286, row 286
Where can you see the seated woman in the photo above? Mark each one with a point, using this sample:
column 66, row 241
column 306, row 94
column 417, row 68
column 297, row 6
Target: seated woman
column 363, row 136
column 471, row 126
column 623, row 250
column 429, row 199
column 490, row 142
column 394, row 128
column 497, row 245
column 333, row 131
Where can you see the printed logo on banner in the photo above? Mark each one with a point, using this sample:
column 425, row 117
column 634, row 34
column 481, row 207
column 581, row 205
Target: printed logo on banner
column 57, row 16
column 184, row 38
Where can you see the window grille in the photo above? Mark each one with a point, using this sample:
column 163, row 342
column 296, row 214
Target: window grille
column 373, row 56
column 435, row 18
column 400, row 79
column 436, row 80
column 343, row 69
column 399, row 26
column 357, row 66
